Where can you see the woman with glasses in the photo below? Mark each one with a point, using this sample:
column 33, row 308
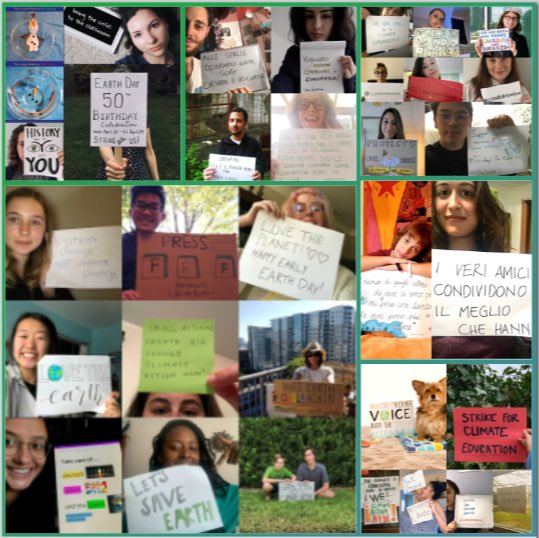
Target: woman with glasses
column 312, row 111
column 380, row 72
column 318, row 24
column 314, row 371
column 307, row 205
column 510, row 19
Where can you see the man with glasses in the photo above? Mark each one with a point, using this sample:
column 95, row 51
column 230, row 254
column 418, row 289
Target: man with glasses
column 239, row 143
column 147, row 213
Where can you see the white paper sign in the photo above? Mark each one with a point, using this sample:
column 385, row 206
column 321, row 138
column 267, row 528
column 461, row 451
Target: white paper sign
column 320, row 67
column 89, row 488
column 420, row 512
column 397, row 303
column 474, row 511
column 388, row 92
column 291, row 257
column 386, row 33
column 229, row 69
column 316, row 154
column 118, row 109
column 88, row 258
column 511, row 499
column 504, row 93
column 41, row 146
column 436, row 43
column 190, row 505
column 380, row 499
column 481, row 293
column 232, row 167
column 296, row 491
column 389, row 419
column 390, row 157
column 72, row 384
column 494, row 40
column 413, row 481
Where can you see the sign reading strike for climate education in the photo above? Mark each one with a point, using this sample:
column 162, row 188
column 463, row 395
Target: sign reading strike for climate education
column 497, row 152
column 316, row 154
column 494, row 40
column 380, row 499
column 89, row 488
column 435, row 43
column 118, row 109
column 392, row 418
column 175, row 500
column 88, row 258
column 390, row 92
column 420, row 512
column 474, row 511
column 391, row 157
column 309, row 399
column 512, row 499
column 290, row 257
column 98, row 26
column 177, row 355
column 232, row 167
column 386, row 33
column 296, row 491
column 187, row 266
column 433, row 90
column 41, row 146
column 413, row 481
column 397, row 303
column 72, row 384
column 229, row 69
column 481, row 293
column 489, row 434
column 508, row 94
column 320, row 66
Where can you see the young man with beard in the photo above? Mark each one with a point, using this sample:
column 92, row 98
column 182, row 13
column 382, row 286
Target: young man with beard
column 197, row 30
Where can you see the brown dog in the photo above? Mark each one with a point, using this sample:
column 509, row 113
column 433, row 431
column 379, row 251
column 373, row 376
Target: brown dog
column 431, row 419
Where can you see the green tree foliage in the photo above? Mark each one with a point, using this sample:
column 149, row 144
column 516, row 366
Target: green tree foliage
column 333, row 440
column 194, row 165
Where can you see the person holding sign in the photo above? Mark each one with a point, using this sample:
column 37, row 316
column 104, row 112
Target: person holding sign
column 239, row 143
column 181, row 442
column 436, row 18
column 314, row 371
column 15, row 167
column 311, row 471
column 430, row 493
column 427, row 68
column 494, row 71
column 510, row 19
column 450, row 493
column 28, row 236
column 380, row 72
column 148, row 31
column 274, row 475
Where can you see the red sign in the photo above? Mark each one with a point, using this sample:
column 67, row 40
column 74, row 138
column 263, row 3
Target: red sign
column 195, row 267
column 489, row 434
column 434, row 90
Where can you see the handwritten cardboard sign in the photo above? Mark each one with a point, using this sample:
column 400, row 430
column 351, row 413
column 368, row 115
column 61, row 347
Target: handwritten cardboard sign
column 386, row 33
column 41, row 146
column 232, row 167
column 118, row 109
column 512, row 499
column 309, row 399
column 316, row 154
column 494, row 40
column 187, row 266
column 229, row 69
column 291, row 257
column 489, row 434
column 98, row 26
column 89, row 488
column 435, row 43
column 320, row 67
column 388, row 92
column 434, row 90
column 397, row 303
column 88, row 258
column 392, row 418
column 390, row 157
column 413, row 481
column 380, row 499
column 177, row 355
column 496, row 152
column 474, row 511
column 296, row 491
column 72, row 384
column 481, row 293
column 420, row 512
column 174, row 500
column 503, row 93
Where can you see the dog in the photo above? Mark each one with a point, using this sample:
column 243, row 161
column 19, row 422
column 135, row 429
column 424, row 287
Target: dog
column 431, row 418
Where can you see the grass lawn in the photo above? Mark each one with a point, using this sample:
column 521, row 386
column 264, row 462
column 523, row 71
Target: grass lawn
column 320, row 516
column 521, row 522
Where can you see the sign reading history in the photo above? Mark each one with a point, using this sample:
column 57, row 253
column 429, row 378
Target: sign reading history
column 41, row 146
